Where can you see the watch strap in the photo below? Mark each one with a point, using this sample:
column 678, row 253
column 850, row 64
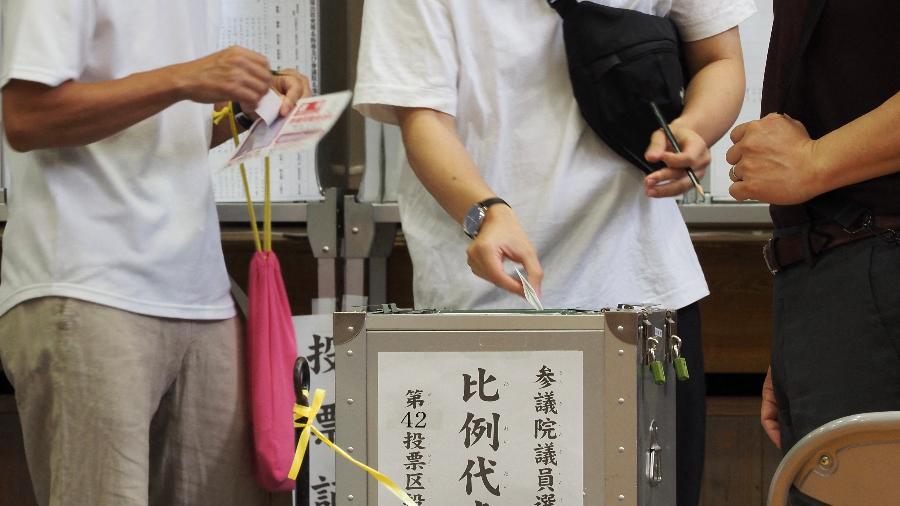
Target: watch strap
column 486, row 203
column 240, row 117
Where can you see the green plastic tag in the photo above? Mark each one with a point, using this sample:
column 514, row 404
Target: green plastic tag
column 659, row 372
column 681, row 369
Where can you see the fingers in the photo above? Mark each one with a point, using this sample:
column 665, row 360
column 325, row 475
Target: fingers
column 658, row 146
column 486, row 261
column 293, row 86
column 532, row 265
column 740, row 191
column 769, row 411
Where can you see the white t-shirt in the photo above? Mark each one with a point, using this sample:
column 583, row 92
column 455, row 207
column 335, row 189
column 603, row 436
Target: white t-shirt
column 500, row 68
column 129, row 221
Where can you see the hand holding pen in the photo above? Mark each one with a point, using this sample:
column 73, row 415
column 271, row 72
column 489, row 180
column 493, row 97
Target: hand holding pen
column 694, row 146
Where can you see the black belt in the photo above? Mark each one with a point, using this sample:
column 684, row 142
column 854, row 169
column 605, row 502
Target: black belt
column 786, row 249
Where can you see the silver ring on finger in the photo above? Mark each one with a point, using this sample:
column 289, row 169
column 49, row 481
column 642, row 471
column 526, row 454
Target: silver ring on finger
column 733, row 176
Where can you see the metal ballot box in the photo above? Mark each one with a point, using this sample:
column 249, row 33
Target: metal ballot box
column 556, row 408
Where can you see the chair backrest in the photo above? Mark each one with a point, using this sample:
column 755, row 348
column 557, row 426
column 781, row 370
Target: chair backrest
column 852, row 460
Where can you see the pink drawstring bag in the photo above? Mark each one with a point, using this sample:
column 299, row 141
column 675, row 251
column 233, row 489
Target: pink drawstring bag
column 271, row 352
column 271, row 348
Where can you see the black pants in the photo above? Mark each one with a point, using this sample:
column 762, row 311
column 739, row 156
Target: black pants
column 836, row 340
column 690, row 411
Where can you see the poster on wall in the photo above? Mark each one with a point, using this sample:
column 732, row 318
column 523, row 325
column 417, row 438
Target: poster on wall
column 483, row 428
column 287, row 33
column 316, row 344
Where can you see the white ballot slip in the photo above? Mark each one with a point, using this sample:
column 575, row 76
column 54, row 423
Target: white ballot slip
column 301, row 130
column 530, row 294
column 268, row 107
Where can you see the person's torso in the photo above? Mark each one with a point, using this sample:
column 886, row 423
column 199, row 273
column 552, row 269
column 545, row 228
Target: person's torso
column 600, row 239
column 846, row 71
column 128, row 221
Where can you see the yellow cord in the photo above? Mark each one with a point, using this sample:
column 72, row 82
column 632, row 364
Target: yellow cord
column 310, row 412
column 228, row 111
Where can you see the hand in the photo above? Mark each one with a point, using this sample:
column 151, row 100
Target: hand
column 235, row 73
column 773, row 161
column 292, row 86
column 768, row 414
column 501, row 236
column 673, row 179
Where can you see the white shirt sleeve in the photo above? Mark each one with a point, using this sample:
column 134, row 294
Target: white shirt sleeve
column 45, row 40
column 407, row 58
column 699, row 19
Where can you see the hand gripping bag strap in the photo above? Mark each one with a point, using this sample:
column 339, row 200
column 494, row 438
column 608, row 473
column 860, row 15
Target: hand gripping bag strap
column 621, row 60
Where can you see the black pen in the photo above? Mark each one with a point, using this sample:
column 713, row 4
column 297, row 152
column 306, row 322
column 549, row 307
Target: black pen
column 665, row 127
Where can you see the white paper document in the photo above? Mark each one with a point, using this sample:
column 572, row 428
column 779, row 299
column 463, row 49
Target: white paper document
column 301, row 130
column 530, row 294
column 287, row 33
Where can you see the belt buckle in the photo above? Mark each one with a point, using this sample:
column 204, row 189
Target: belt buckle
column 768, row 252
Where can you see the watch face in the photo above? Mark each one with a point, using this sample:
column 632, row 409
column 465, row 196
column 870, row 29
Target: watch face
column 472, row 221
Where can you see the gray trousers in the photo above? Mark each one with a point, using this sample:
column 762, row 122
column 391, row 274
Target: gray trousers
column 121, row 409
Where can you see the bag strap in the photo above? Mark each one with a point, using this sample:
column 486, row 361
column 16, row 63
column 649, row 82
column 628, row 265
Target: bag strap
column 562, row 7
column 814, row 14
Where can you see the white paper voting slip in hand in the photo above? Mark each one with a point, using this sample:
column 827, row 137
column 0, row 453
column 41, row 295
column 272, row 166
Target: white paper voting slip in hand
column 268, row 107
column 530, row 294
column 300, row 130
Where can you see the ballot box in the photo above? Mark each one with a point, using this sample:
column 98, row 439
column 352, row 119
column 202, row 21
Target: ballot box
column 556, row 408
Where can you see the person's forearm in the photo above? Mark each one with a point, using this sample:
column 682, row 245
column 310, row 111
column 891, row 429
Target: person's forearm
column 441, row 161
column 715, row 92
column 866, row 148
column 76, row 114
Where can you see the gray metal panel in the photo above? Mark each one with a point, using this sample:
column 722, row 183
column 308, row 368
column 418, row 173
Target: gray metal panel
column 524, row 321
column 616, row 423
column 282, row 212
column 727, row 213
column 350, row 406
column 732, row 213
column 657, row 406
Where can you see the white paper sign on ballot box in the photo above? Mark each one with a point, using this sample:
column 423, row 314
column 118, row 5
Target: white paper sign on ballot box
column 482, row 428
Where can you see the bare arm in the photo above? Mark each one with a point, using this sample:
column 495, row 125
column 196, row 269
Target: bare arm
column 713, row 100
column 73, row 114
column 441, row 162
column 776, row 161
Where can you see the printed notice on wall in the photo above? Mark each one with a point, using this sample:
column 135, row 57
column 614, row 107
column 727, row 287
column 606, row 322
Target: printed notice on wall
column 482, row 428
column 315, row 343
column 287, row 33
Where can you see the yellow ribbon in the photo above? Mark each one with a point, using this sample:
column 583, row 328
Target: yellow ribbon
column 309, row 413
column 228, row 112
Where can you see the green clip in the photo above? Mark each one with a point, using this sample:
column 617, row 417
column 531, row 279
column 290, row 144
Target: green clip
column 681, row 369
column 659, row 372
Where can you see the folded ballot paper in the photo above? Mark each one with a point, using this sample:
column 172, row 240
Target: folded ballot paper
column 530, row 294
column 300, row 130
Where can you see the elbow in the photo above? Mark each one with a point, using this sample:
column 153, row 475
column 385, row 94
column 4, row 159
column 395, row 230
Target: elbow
column 19, row 138
column 18, row 127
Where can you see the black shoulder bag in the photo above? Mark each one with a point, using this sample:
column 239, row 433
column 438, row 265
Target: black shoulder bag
column 620, row 61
